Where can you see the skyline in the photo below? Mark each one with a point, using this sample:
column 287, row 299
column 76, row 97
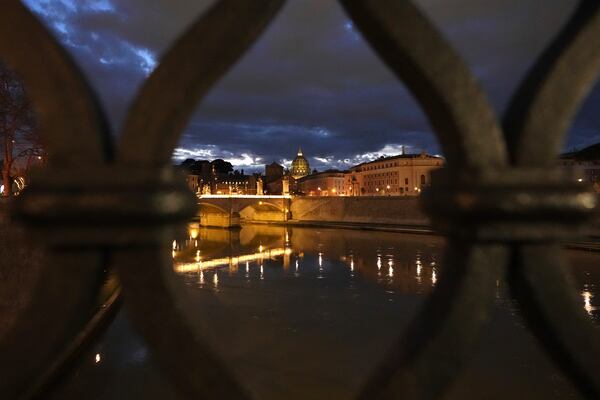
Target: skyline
column 309, row 80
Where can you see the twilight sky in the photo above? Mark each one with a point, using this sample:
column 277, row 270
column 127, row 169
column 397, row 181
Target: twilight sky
column 310, row 80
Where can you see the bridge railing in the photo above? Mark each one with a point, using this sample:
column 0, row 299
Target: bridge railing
column 503, row 205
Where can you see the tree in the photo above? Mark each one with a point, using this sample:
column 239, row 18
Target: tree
column 188, row 163
column 222, row 167
column 19, row 138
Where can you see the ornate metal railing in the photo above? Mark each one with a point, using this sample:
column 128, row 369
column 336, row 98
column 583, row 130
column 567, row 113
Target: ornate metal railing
column 501, row 201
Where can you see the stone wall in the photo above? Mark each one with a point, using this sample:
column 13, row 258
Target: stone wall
column 371, row 210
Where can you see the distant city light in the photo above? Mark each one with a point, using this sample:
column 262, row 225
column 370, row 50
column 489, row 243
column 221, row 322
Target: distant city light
column 248, row 196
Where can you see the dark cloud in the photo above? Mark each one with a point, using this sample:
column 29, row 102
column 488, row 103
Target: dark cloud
column 311, row 79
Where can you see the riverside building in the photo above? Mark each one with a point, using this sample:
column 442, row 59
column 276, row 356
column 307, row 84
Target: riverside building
column 327, row 183
column 585, row 163
column 401, row 175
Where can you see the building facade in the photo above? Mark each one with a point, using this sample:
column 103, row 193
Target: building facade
column 402, row 175
column 585, row 164
column 273, row 172
column 328, row 183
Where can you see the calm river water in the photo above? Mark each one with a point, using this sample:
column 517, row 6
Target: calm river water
column 305, row 313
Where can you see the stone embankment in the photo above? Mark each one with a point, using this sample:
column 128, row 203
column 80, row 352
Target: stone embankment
column 405, row 211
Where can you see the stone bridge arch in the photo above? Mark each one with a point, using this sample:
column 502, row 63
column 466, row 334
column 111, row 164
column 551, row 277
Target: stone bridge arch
column 264, row 211
column 229, row 211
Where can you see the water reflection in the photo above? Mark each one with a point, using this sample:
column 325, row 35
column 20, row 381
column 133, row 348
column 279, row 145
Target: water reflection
column 213, row 249
column 255, row 295
column 587, row 302
column 412, row 266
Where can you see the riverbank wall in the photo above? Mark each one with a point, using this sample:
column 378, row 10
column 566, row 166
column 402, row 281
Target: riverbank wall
column 359, row 210
column 393, row 214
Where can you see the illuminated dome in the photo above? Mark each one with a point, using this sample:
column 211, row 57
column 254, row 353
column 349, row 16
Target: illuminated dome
column 300, row 166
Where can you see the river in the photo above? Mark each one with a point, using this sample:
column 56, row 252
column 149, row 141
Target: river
column 306, row 313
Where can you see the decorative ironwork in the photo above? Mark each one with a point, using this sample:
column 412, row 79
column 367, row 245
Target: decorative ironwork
column 505, row 213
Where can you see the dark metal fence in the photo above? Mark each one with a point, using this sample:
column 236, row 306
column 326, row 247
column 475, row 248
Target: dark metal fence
column 501, row 201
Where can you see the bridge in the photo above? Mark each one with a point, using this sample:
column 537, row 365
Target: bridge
column 229, row 211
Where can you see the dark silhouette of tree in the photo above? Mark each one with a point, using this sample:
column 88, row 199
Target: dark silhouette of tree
column 222, row 167
column 187, row 163
column 19, row 136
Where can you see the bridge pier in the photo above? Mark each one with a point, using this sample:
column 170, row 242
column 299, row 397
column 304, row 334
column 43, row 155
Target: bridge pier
column 220, row 220
column 224, row 214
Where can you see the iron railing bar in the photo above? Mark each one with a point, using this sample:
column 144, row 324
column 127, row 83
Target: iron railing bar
column 73, row 127
column 542, row 285
column 59, row 307
column 547, row 99
column 440, row 340
column 188, row 360
column 197, row 60
column 456, row 106
column 64, row 363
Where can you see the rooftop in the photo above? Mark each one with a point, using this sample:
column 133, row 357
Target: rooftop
column 586, row 154
column 400, row 156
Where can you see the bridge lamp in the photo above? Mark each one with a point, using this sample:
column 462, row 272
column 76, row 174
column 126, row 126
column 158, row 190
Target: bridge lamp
column 388, row 187
column 260, row 203
column 377, row 189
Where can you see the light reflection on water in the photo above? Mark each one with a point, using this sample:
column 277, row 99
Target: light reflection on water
column 284, row 246
column 343, row 269
column 303, row 311
column 281, row 247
